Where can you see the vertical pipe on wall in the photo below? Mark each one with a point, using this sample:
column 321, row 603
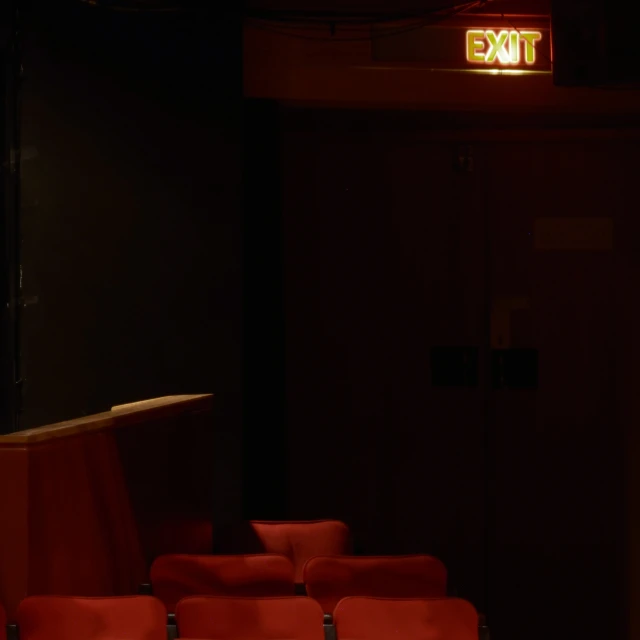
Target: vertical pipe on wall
column 489, row 521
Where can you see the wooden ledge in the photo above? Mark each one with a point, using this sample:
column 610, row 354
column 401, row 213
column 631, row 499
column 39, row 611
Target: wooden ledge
column 119, row 416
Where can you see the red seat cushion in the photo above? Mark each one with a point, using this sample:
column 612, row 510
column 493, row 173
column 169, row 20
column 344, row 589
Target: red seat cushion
column 66, row 618
column 330, row 579
column 426, row 619
column 174, row 577
column 210, row 618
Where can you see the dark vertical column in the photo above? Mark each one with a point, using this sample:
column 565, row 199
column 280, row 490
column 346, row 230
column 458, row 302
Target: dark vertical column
column 223, row 34
column 594, row 43
column 9, row 219
column 578, row 48
column 265, row 446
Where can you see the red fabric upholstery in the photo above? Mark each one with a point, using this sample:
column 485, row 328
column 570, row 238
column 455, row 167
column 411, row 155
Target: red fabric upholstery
column 66, row 618
column 210, row 618
column 174, row 577
column 329, row 579
column 381, row 619
column 300, row 541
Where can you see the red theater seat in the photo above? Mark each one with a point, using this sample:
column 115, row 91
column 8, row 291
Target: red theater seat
column 174, row 577
column 250, row 618
column 330, row 579
column 65, row 618
column 381, row 619
column 300, row 541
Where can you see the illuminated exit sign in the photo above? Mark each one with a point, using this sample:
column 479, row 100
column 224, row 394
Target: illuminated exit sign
column 512, row 47
column 480, row 44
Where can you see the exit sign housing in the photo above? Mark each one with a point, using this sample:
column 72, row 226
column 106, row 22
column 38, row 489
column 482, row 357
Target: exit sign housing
column 477, row 43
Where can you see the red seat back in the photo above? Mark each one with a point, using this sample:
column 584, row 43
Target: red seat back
column 381, row 619
column 176, row 533
column 174, row 577
column 66, row 618
column 329, row 579
column 300, row 541
column 250, row 618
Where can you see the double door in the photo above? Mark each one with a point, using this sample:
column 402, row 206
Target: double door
column 455, row 336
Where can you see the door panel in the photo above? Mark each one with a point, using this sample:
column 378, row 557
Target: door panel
column 557, row 480
column 436, row 439
column 384, row 255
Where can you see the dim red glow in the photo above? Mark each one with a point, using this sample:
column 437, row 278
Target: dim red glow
column 505, row 47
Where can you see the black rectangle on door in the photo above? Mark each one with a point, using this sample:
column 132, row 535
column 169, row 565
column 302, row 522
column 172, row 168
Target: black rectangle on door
column 454, row 366
column 514, row 368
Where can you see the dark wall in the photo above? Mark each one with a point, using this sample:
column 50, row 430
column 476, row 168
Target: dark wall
column 391, row 251
column 132, row 226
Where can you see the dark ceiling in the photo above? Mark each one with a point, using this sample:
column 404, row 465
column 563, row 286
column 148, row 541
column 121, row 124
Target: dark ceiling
column 383, row 6
column 336, row 7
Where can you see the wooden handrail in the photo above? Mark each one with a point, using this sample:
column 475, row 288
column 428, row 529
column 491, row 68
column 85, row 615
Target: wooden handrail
column 119, row 416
